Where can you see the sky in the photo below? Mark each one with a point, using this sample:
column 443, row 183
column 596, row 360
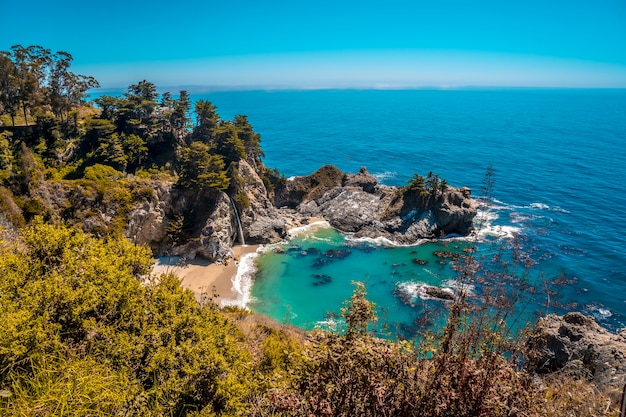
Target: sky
column 331, row 44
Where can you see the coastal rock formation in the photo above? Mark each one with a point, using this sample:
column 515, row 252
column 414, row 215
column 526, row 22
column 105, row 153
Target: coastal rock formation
column 261, row 220
column 188, row 222
column 356, row 203
column 181, row 223
column 576, row 344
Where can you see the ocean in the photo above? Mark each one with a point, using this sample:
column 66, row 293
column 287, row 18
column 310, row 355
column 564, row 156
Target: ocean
column 559, row 158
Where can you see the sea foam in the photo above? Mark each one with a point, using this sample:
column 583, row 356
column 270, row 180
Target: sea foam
column 381, row 177
column 242, row 282
column 295, row 231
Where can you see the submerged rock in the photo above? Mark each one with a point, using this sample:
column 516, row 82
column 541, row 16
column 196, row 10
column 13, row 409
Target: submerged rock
column 321, row 279
column 331, row 255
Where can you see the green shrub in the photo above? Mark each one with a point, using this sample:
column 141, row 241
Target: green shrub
column 99, row 172
column 81, row 335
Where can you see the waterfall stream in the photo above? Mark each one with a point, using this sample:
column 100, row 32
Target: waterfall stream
column 241, row 239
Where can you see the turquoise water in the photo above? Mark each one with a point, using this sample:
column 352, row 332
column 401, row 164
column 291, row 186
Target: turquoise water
column 307, row 281
column 559, row 158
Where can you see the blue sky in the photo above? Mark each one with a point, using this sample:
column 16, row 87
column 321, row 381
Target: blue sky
column 332, row 44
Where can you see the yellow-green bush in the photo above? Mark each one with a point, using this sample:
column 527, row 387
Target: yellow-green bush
column 70, row 300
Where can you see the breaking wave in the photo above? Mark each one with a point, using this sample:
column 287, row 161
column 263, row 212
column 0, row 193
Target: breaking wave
column 242, row 282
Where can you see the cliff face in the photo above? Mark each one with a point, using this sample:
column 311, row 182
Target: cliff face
column 177, row 221
column 575, row 344
column 356, row 203
column 262, row 222
column 209, row 223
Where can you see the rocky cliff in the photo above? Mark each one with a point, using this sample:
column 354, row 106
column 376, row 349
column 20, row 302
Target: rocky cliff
column 356, row 203
column 576, row 345
column 180, row 221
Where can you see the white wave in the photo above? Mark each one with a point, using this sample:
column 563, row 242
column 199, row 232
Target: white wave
column 560, row 210
column 415, row 290
column 331, row 324
column 542, row 206
column 293, row 232
column 520, row 218
column 495, row 204
column 457, row 286
column 381, row 241
column 599, row 312
column 242, row 282
column 485, row 216
column 485, row 228
column 499, row 231
column 383, row 176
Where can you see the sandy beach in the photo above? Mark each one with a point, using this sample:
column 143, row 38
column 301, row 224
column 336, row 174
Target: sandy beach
column 201, row 276
column 204, row 277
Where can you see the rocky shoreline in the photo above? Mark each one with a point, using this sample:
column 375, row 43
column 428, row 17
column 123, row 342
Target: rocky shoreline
column 351, row 203
column 575, row 345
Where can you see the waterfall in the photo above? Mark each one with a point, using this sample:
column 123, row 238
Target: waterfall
column 242, row 240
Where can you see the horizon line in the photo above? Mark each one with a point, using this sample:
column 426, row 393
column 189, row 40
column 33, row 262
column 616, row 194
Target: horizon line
column 202, row 88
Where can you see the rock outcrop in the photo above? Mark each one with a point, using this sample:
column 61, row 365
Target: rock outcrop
column 356, row 203
column 576, row 344
column 202, row 222
column 262, row 222
column 210, row 222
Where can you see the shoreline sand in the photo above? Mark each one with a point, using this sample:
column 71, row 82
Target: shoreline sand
column 204, row 277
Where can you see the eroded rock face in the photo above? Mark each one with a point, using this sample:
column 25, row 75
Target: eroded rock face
column 261, row 221
column 147, row 223
column 576, row 344
column 209, row 216
column 356, row 203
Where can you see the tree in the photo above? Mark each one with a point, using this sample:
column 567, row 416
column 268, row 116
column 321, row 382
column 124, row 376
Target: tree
column 201, row 168
column 251, row 139
column 181, row 108
column 417, row 183
column 358, row 312
column 31, row 63
column 9, row 86
column 229, row 145
column 135, row 149
column 207, row 120
column 434, row 185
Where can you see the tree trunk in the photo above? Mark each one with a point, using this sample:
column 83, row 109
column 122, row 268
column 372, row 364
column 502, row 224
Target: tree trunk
column 25, row 118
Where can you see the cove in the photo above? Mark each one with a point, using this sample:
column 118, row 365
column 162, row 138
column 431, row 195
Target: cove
column 305, row 281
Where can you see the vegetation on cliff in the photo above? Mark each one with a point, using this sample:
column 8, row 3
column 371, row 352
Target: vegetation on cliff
column 65, row 159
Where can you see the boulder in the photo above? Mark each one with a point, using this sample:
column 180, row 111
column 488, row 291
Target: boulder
column 576, row 344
